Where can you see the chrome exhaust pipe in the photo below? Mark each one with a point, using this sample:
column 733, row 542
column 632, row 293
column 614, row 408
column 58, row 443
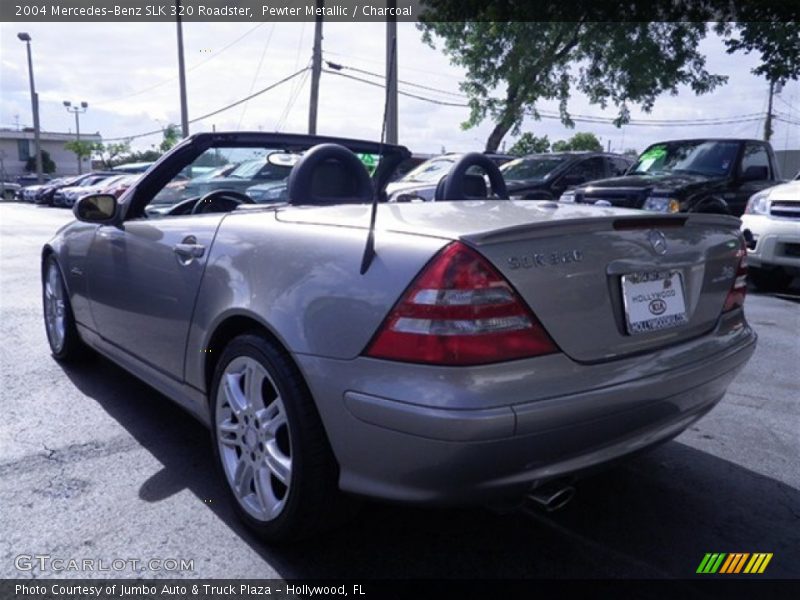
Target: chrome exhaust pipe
column 551, row 497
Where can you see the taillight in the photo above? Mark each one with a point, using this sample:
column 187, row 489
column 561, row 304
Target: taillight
column 738, row 291
column 460, row 311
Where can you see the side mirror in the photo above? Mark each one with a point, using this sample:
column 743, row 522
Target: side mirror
column 95, row 208
column 754, row 173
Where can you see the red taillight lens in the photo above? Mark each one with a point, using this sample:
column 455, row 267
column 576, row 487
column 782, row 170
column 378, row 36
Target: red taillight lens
column 460, row 311
column 738, row 291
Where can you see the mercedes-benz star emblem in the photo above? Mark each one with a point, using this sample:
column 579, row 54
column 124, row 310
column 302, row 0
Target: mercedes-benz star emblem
column 657, row 241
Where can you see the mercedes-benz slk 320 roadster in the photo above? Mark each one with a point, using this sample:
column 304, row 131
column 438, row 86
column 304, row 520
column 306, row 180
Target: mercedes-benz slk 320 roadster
column 464, row 351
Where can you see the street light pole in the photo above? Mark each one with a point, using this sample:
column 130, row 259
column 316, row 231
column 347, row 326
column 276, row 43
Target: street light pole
column 182, row 72
column 77, row 109
column 34, row 107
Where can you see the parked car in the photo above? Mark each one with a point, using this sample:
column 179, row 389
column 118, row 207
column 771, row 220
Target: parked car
column 244, row 175
column 771, row 227
column 30, row 192
column 9, row 190
column 117, row 185
column 134, row 168
column 67, row 195
column 432, row 353
column 31, row 179
column 44, row 194
column 701, row 175
column 420, row 183
column 547, row 176
column 47, row 194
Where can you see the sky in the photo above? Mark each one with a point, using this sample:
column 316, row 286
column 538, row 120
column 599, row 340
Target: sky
column 127, row 72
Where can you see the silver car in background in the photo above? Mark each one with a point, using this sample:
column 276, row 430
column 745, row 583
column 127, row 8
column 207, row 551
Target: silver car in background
column 435, row 353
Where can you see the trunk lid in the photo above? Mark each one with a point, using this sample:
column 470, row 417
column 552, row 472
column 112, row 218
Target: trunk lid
column 587, row 281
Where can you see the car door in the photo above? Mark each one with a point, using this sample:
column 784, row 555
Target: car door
column 583, row 171
column 143, row 282
column 754, row 155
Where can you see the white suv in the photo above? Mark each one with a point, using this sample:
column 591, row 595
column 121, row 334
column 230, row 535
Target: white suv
column 771, row 227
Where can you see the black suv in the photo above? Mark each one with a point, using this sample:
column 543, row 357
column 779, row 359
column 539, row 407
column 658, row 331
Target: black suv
column 700, row 175
column 547, row 176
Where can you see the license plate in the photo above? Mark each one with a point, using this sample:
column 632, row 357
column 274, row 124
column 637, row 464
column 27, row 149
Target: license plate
column 653, row 301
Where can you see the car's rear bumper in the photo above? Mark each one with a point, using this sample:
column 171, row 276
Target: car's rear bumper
column 449, row 435
column 775, row 241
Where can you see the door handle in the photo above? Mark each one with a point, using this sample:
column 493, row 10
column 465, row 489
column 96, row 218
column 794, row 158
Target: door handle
column 189, row 248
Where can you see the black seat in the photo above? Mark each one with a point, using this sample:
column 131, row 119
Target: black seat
column 329, row 174
column 474, row 188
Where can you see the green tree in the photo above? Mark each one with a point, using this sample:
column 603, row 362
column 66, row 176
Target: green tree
column 113, row 154
column 530, row 144
column 172, row 136
column 581, row 141
column 82, row 148
column 514, row 61
column 48, row 166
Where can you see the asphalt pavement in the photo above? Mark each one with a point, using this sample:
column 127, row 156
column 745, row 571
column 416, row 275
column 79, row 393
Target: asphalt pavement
column 96, row 465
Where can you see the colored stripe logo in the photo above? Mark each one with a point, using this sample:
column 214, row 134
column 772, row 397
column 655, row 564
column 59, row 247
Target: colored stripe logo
column 734, row 563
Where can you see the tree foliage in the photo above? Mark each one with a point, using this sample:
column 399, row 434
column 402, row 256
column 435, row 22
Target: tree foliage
column 112, row 154
column 530, row 144
column 581, row 141
column 172, row 136
column 48, row 166
column 82, row 148
column 513, row 64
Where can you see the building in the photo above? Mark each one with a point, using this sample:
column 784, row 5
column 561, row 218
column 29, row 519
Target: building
column 16, row 147
column 789, row 162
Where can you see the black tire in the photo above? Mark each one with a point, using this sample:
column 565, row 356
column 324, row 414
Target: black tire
column 71, row 348
column 769, row 280
column 312, row 502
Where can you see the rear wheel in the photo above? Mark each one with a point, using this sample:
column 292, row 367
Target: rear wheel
column 62, row 334
column 769, row 280
column 270, row 444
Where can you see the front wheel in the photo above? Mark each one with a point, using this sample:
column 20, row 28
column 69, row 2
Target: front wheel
column 270, row 444
column 59, row 321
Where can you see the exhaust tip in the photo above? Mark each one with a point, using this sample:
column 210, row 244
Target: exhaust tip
column 551, row 497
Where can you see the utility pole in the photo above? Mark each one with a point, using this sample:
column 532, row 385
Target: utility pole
column 77, row 110
column 768, row 121
column 35, row 108
column 182, row 72
column 316, row 70
column 391, row 75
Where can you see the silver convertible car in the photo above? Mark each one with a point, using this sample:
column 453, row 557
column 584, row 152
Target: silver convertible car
column 467, row 351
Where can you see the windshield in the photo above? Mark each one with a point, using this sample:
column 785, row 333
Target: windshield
column 431, row 170
column 538, row 167
column 698, row 157
column 247, row 170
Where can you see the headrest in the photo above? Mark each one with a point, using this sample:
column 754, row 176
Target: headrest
column 329, row 174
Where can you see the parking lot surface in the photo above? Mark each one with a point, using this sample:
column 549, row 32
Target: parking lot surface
column 96, row 465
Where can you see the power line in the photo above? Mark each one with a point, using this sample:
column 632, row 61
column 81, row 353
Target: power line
column 580, row 118
column 219, row 110
column 337, row 67
column 295, row 94
column 257, row 73
column 543, row 113
column 192, row 68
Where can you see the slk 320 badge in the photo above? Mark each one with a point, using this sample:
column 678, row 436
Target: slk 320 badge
column 552, row 259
